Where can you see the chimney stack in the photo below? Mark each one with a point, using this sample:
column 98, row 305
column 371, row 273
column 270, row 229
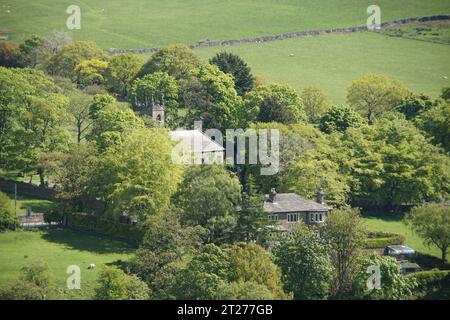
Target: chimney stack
column 320, row 196
column 272, row 194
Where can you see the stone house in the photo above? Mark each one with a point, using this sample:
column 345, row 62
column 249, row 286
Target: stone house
column 289, row 208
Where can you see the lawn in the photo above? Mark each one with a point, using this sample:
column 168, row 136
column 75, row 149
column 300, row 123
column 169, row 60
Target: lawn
column 394, row 224
column 60, row 248
column 37, row 205
column 331, row 62
column 150, row 23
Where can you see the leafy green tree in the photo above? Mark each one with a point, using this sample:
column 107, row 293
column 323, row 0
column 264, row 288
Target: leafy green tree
column 64, row 62
column 163, row 247
column 346, row 233
column 251, row 263
column 208, row 196
column 79, row 107
column 305, row 263
column 432, row 222
column 253, row 223
column 245, row 291
column 99, row 101
column 394, row 286
column 33, row 283
column 339, row 118
column 315, row 103
column 392, row 163
column 210, row 97
column 275, row 102
column 177, row 60
column 413, row 105
column 203, row 276
column 374, row 94
column 114, row 284
column 8, row 218
column 141, row 173
column 122, row 69
column 74, row 176
column 29, row 50
column 435, row 123
column 233, row 64
column 90, row 72
column 111, row 124
column 157, row 88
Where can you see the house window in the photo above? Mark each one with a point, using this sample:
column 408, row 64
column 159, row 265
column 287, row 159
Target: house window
column 320, row 217
column 292, row 217
column 273, row 217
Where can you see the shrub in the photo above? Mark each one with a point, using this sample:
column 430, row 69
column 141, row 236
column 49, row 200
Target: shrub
column 433, row 284
column 383, row 239
column 116, row 285
column 53, row 216
column 8, row 219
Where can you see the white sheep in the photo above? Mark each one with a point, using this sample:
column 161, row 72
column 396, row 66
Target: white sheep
column 91, row 266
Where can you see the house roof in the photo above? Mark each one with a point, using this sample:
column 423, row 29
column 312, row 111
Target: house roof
column 291, row 202
column 409, row 265
column 191, row 139
column 401, row 249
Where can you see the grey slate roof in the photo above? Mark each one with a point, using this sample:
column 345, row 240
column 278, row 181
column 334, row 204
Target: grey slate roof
column 189, row 136
column 291, row 202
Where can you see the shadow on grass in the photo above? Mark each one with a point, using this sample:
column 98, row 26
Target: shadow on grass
column 383, row 216
column 82, row 241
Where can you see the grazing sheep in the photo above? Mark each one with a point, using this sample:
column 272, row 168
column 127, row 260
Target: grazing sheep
column 91, row 266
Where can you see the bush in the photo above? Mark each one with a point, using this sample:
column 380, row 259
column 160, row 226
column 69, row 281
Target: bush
column 8, row 219
column 433, row 284
column 116, row 285
column 53, row 216
column 383, row 239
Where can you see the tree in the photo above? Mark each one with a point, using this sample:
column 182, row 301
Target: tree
column 9, row 54
column 432, row 222
column 252, row 223
column 8, row 218
column 111, row 124
column 414, row 105
column 114, row 284
column 210, row 97
column 177, row 60
column 392, row 163
column 99, row 101
column 64, row 62
column 33, row 283
column 141, row 175
column 435, row 123
column 90, row 72
column 305, row 263
column 208, row 196
column 339, row 118
column 122, row 68
column 374, row 94
column 203, row 276
column 163, row 247
column 157, row 88
column 79, row 107
column 394, row 286
column 29, row 51
column 74, row 176
column 233, row 64
column 275, row 102
column 346, row 233
column 315, row 103
column 245, row 291
column 51, row 45
column 251, row 263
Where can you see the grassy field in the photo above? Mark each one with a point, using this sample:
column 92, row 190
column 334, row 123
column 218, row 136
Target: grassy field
column 149, row 23
column 59, row 248
column 394, row 224
column 436, row 31
column 331, row 62
column 37, row 205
